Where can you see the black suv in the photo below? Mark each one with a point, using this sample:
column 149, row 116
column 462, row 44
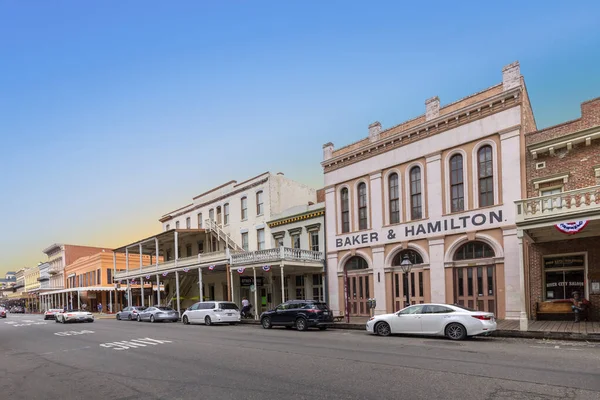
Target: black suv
column 301, row 314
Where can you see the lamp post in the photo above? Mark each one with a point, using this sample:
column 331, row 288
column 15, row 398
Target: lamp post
column 406, row 266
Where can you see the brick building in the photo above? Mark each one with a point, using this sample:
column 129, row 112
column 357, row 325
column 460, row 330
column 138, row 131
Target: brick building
column 559, row 220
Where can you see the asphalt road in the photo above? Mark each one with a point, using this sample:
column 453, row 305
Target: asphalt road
column 172, row 361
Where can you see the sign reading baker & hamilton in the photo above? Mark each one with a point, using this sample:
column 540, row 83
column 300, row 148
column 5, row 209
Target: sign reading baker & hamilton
column 491, row 218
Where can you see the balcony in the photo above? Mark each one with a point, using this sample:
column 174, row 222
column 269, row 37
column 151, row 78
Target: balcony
column 278, row 255
column 201, row 260
column 560, row 207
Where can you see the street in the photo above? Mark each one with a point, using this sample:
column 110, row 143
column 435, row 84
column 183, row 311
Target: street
column 111, row 359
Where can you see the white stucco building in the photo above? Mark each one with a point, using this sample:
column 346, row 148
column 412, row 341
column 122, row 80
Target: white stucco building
column 438, row 190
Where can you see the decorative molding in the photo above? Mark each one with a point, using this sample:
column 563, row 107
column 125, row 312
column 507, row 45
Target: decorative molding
column 295, row 231
column 313, row 227
column 561, row 177
column 278, row 235
column 296, row 218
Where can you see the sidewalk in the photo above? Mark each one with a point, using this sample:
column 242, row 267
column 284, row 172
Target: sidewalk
column 559, row 330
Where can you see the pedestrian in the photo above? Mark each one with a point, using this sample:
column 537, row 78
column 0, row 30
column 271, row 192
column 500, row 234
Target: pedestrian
column 100, row 308
column 245, row 307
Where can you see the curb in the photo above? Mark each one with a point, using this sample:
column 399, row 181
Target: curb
column 594, row 337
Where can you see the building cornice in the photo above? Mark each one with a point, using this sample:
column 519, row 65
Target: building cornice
column 549, row 146
column 296, row 218
column 465, row 115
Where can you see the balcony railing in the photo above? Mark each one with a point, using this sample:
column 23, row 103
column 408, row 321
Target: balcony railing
column 276, row 255
column 559, row 204
column 204, row 258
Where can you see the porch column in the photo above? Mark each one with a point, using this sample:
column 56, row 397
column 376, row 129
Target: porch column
column 523, row 318
column 141, row 278
column 513, row 283
column 114, row 267
column 127, row 260
column 110, row 306
column 177, row 288
column 255, row 294
column 200, row 285
column 128, row 288
column 158, row 289
column 437, row 276
column 379, row 286
column 78, row 300
column 231, row 283
column 282, row 285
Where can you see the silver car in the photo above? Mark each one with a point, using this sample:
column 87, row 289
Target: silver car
column 156, row 314
column 130, row 313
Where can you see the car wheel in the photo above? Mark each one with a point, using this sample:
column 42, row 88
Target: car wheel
column 266, row 323
column 56, row 320
column 322, row 328
column 129, row 317
column 301, row 324
column 139, row 319
column 118, row 317
column 186, row 321
column 383, row 329
column 456, row 331
column 152, row 318
column 207, row 321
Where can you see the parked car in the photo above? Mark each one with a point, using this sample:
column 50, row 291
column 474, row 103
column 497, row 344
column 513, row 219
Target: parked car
column 51, row 313
column 212, row 312
column 130, row 313
column 73, row 316
column 17, row 310
column 301, row 314
column 2, row 313
column 160, row 314
column 453, row 321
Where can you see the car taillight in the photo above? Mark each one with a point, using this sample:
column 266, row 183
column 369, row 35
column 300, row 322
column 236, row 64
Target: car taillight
column 69, row 315
column 482, row 317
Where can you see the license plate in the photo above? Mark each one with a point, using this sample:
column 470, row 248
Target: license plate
column 229, row 315
column 326, row 313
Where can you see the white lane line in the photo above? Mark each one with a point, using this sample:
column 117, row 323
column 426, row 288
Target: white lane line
column 133, row 343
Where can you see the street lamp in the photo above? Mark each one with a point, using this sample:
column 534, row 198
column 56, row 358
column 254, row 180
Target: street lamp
column 406, row 266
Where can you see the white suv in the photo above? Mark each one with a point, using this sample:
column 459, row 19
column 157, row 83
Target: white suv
column 212, row 312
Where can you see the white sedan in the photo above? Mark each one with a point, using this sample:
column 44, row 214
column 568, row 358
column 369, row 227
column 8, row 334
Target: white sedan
column 454, row 322
column 74, row 316
column 51, row 313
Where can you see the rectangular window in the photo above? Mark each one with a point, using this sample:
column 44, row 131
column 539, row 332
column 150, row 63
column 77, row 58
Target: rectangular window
column 177, row 225
column 563, row 276
column 394, row 195
column 480, row 281
column 279, row 242
column 345, row 203
column 226, row 214
column 200, row 247
column 416, row 210
column 259, row 203
column 260, row 239
column 296, row 241
column 245, row 241
column 469, row 281
column 199, row 220
column 552, row 201
column 412, row 284
column 109, row 276
column 244, row 207
column 362, row 206
column 314, row 241
column 99, row 277
column 188, row 250
column 211, row 214
column 457, row 194
column 167, row 227
column 420, row 283
column 188, row 223
column 486, row 176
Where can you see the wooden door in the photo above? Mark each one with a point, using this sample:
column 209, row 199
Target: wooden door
column 475, row 287
column 359, row 290
column 414, row 285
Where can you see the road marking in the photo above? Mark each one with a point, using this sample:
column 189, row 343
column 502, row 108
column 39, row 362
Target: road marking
column 72, row 333
column 133, row 343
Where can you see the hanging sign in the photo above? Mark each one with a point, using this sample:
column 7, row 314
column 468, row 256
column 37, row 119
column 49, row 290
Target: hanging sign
column 266, row 268
column 571, row 228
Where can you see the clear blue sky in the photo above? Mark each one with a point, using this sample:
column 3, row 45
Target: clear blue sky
column 114, row 113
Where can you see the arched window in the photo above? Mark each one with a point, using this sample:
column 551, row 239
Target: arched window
column 345, row 210
column 457, row 190
column 355, row 263
column 416, row 209
column 394, row 198
column 362, row 206
column 486, row 176
column 413, row 256
column 473, row 250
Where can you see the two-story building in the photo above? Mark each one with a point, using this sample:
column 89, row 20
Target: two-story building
column 32, row 287
column 436, row 192
column 559, row 219
column 192, row 254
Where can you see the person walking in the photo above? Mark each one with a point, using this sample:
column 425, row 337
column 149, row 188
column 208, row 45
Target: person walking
column 100, row 308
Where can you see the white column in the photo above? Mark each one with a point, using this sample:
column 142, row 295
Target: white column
column 513, row 270
column 110, row 305
column 333, row 284
column 282, row 285
column 434, row 186
column 379, row 288
column 437, row 271
column 158, row 289
column 78, row 300
column 128, row 288
column 231, row 280
column 177, row 288
column 141, row 278
column 375, row 203
column 523, row 318
column 200, row 285
column 255, row 295
column 127, row 259
column 331, row 221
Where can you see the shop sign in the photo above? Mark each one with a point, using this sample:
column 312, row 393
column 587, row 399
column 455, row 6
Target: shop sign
column 249, row 281
column 574, row 261
column 419, row 230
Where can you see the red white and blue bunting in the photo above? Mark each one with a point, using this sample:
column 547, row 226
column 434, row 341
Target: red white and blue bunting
column 241, row 270
column 186, row 269
column 266, row 268
column 165, row 273
column 147, row 276
column 571, row 228
column 210, row 268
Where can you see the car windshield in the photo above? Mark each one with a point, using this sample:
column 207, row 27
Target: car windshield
column 141, row 308
column 165, row 308
column 229, row 306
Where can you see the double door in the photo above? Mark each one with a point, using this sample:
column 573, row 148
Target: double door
column 358, row 288
column 476, row 287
